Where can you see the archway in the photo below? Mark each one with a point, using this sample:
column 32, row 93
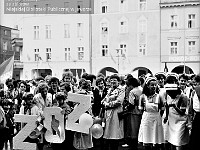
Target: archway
column 108, row 71
column 180, row 70
column 141, row 71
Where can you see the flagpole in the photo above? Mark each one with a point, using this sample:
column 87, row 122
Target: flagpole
column 118, row 49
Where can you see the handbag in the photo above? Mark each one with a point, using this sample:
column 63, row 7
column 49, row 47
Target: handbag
column 123, row 114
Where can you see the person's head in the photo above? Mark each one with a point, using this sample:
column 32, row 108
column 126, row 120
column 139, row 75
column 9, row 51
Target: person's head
column 92, row 79
column 43, row 88
column 54, row 83
column 172, row 86
column 150, row 86
column 183, row 80
column 127, row 77
column 84, row 84
column 67, row 76
column 6, row 104
column 9, row 84
column 100, row 83
column 114, row 80
column 100, row 75
column 39, row 80
column 47, row 78
column 197, row 79
column 60, row 98
column 28, row 98
column 107, row 80
column 65, row 87
column 133, row 82
column 22, row 85
column 84, row 75
column 160, row 76
column 172, row 78
column 141, row 80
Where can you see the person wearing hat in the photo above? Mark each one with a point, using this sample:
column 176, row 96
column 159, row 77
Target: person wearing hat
column 176, row 114
column 161, row 76
column 150, row 102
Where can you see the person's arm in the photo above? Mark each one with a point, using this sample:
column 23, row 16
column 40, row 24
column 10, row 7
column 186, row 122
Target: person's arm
column 117, row 100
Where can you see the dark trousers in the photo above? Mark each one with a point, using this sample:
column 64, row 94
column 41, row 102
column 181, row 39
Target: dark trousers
column 110, row 144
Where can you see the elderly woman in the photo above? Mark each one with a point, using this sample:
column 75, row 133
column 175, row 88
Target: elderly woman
column 151, row 131
column 113, row 104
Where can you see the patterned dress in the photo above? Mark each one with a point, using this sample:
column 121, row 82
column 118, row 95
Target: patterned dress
column 151, row 130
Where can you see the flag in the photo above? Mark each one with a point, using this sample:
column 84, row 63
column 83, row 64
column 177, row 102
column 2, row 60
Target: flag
column 6, row 69
column 112, row 58
column 108, row 73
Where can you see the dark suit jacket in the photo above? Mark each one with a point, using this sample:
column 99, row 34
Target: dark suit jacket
column 97, row 101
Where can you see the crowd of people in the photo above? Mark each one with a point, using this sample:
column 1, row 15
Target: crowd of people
column 161, row 111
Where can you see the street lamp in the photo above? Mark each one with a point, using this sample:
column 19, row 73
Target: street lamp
column 118, row 51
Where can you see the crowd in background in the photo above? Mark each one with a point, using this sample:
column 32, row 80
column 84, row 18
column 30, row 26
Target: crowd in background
column 161, row 111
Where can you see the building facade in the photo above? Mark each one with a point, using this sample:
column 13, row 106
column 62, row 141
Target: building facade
column 54, row 42
column 126, row 36
column 180, row 50
column 7, row 49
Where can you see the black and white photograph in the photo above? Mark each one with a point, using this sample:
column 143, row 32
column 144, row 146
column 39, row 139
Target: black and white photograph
column 99, row 74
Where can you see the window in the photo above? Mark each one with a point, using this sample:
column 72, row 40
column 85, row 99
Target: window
column 142, row 5
column 124, row 27
column 104, row 6
column 173, row 48
column 191, row 21
column 5, row 45
column 174, row 21
column 80, row 53
column 5, row 32
column 67, row 54
column 104, row 50
column 142, row 25
column 123, row 50
column 37, row 57
column 48, row 54
column 191, row 47
column 142, row 36
column 48, row 31
column 79, row 6
column 142, row 49
column 36, row 32
column 66, row 31
column 80, row 30
column 123, row 5
column 104, row 28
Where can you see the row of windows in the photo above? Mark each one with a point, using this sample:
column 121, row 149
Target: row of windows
column 123, row 5
column 67, row 54
column 122, row 51
column 36, row 30
column 123, row 26
column 142, row 49
column 191, row 21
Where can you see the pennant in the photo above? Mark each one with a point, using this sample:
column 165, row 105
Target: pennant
column 108, row 73
column 6, row 69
